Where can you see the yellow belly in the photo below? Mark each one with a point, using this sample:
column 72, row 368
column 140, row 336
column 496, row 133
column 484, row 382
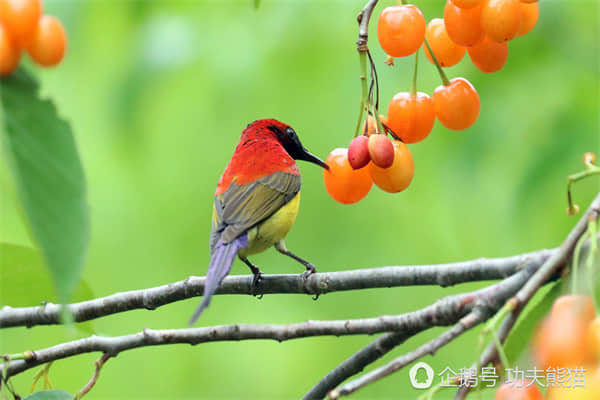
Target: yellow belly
column 273, row 229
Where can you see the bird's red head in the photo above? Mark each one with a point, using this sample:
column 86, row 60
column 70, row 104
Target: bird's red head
column 272, row 129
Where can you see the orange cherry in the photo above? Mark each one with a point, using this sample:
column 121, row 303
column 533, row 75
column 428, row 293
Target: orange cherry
column 446, row 51
column 9, row 53
column 530, row 13
column 401, row 30
column 456, row 105
column 49, row 42
column 489, row 56
column 398, row 176
column 463, row 25
column 343, row 183
column 466, row 3
column 501, row 19
column 20, row 18
column 411, row 117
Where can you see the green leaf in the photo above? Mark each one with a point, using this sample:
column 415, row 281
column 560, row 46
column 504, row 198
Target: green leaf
column 49, row 395
column 49, row 178
column 26, row 282
column 533, row 313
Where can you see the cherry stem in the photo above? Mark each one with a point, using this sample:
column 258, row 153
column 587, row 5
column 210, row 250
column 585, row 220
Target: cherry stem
column 413, row 89
column 445, row 80
column 591, row 170
column 364, row 98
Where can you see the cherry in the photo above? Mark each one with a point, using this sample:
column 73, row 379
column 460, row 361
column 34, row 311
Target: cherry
column 411, row 117
column 358, row 152
column 446, row 51
column 343, row 183
column 501, row 19
column 401, row 30
column 456, row 105
column 381, row 150
column 463, row 25
column 489, row 56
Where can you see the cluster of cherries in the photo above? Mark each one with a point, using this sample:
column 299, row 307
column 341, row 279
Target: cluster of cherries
column 24, row 27
column 480, row 27
column 568, row 338
column 370, row 158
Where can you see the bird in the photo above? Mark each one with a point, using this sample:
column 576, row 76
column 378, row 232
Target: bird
column 256, row 202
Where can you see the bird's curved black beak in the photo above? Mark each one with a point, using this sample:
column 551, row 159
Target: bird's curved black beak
column 306, row 156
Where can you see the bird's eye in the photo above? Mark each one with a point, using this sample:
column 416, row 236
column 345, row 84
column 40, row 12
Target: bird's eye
column 291, row 133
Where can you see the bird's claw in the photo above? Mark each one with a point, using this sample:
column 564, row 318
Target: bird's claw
column 255, row 283
column 310, row 269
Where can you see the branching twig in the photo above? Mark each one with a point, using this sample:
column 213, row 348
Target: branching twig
column 443, row 312
column 99, row 363
column 550, row 268
column 489, row 299
column 363, row 25
column 319, row 283
column 467, row 322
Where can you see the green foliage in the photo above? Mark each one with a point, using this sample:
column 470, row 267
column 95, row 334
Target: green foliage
column 49, row 177
column 26, row 282
column 536, row 309
column 49, row 395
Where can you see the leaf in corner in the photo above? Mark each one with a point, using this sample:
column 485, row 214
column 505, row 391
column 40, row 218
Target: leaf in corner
column 533, row 313
column 26, row 282
column 49, row 177
column 49, row 395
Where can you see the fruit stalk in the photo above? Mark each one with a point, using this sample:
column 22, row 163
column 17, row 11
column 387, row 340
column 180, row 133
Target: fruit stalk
column 413, row 89
column 364, row 97
column 363, row 19
column 445, row 80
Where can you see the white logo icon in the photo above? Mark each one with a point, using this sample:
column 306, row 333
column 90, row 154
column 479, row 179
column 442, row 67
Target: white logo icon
column 412, row 374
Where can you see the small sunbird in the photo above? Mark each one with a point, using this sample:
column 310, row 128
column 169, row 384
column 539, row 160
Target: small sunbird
column 256, row 201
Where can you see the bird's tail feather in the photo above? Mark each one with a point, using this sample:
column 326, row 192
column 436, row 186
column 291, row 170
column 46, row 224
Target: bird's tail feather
column 218, row 268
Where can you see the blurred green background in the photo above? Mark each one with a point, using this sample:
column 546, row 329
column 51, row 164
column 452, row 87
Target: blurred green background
column 158, row 92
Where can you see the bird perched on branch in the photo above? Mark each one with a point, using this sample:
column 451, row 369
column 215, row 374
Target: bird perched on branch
column 256, row 201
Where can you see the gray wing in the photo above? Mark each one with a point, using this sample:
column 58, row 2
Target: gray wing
column 241, row 207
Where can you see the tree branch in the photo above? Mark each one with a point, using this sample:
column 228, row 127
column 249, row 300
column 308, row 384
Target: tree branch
column 486, row 300
column 472, row 319
column 319, row 283
column 443, row 312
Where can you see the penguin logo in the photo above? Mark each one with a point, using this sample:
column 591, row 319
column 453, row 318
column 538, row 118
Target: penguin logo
column 412, row 374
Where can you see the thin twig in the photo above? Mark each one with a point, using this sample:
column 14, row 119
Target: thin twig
column 319, row 283
column 99, row 363
column 467, row 322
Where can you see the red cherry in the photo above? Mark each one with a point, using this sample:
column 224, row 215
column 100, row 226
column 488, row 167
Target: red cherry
column 358, row 152
column 381, row 150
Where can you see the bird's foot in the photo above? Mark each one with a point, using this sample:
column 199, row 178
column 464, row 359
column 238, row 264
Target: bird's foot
column 256, row 283
column 310, row 269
